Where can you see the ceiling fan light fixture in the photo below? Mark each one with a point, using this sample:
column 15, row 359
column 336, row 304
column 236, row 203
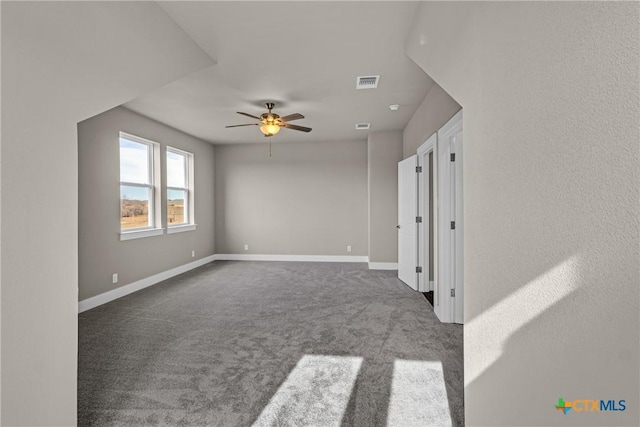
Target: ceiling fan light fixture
column 270, row 123
column 269, row 129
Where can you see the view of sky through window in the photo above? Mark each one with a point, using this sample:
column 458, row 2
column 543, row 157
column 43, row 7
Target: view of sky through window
column 134, row 168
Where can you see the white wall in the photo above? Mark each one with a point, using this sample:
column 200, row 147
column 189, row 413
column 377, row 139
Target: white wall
column 309, row 198
column 61, row 63
column 436, row 109
column 101, row 253
column 384, row 151
column 551, row 110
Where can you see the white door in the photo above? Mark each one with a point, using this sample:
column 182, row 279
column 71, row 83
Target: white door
column 450, row 284
column 407, row 230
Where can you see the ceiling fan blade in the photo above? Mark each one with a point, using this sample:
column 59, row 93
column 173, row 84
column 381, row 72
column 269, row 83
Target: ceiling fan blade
column 248, row 115
column 250, row 124
column 294, row 127
column 294, row 116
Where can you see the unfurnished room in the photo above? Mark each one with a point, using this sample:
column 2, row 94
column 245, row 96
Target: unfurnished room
column 320, row 213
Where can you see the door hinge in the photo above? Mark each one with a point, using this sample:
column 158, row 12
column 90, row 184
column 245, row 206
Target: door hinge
column 453, row 157
column 418, row 269
column 453, row 225
column 418, row 219
column 453, row 292
column 418, row 169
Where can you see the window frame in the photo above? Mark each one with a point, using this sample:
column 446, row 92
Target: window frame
column 189, row 202
column 154, row 214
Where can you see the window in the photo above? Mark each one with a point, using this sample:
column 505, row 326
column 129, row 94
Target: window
column 179, row 191
column 139, row 213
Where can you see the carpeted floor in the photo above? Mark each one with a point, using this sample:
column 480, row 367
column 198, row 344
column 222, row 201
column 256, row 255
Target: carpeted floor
column 270, row 343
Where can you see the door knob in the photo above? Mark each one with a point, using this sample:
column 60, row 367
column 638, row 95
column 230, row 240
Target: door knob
column 397, row 226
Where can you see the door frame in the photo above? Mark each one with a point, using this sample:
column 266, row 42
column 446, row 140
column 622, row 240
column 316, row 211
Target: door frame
column 450, row 246
column 430, row 146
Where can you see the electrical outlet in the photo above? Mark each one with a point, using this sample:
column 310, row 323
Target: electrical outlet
column 246, row 247
column 114, row 278
column 193, row 254
column 348, row 248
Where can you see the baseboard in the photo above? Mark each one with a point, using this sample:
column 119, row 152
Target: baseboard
column 307, row 258
column 114, row 294
column 109, row 296
column 383, row 266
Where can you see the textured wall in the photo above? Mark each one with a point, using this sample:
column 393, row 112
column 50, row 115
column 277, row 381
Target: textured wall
column 308, row 199
column 62, row 62
column 384, row 151
column 100, row 251
column 551, row 110
column 436, row 109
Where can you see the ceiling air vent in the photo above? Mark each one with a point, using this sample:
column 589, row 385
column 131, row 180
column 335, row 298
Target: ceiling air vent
column 367, row 82
column 362, row 126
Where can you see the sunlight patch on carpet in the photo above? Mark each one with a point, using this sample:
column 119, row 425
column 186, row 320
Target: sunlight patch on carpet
column 418, row 395
column 315, row 393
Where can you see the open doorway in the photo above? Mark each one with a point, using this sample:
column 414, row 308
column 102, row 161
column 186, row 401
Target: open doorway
column 426, row 211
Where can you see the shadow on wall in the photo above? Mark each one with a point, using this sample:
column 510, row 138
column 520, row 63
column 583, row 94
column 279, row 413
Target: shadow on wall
column 506, row 317
column 529, row 328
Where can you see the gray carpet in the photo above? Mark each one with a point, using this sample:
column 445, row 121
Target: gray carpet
column 270, row 344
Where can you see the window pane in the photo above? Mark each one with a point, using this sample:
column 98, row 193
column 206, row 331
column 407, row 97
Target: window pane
column 134, row 162
column 134, row 207
column 176, row 169
column 176, row 202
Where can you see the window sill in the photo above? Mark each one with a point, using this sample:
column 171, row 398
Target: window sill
column 181, row 228
column 139, row 234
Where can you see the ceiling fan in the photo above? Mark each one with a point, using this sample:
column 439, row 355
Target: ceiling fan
column 270, row 123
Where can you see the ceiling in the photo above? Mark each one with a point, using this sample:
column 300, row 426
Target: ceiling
column 303, row 56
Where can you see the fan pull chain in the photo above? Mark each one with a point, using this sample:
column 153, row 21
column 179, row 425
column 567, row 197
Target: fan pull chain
column 269, row 147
